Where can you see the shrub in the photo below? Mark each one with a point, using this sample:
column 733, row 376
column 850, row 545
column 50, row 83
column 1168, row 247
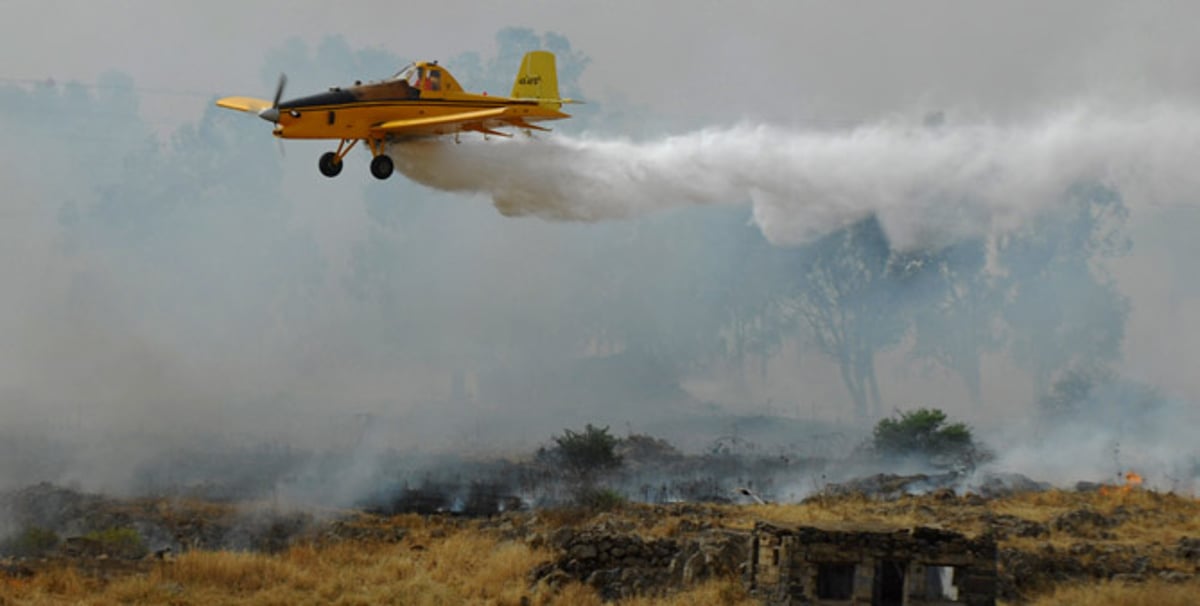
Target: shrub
column 120, row 542
column 925, row 433
column 641, row 448
column 591, row 450
column 600, row 499
column 34, row 541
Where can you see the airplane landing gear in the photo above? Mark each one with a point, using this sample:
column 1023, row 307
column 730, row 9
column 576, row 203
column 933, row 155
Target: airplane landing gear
column 382, row 166
column 330, row 164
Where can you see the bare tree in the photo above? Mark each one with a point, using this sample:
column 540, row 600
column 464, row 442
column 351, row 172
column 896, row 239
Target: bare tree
column 843, row 297
column 956, row 310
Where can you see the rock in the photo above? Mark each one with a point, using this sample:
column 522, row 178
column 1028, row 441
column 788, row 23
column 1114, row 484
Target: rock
column 16, row 571
column 81, row 547
column 1188, row 549
column 996, row 485
column 556, row 579
column 889, row 487
column 1085, row 523
column 622, row 565
column 584, row 551
column 562, row 537
column 1175, row 576
column 694, row 568
column 1004, row 526
column 1141, row 564
column 944, row 494
column 1129, row 577
column 973, row 500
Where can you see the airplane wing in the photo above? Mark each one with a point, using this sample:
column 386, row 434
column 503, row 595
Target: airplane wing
column 244, row 104
column 440, row 125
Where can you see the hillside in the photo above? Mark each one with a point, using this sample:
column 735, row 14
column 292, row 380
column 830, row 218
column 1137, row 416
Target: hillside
column 1054, row 547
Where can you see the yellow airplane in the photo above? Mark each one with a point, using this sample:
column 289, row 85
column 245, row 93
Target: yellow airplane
column 421, row 100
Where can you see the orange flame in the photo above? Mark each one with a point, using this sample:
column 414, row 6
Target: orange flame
column 1132, row 480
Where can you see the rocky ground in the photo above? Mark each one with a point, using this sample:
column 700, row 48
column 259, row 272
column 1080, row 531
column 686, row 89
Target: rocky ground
column 1046, row 538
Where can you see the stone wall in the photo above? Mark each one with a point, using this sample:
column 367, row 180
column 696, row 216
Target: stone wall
column 621, row 565
column 901, row 567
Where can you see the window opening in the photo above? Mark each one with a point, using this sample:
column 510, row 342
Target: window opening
column 835, row 581
column 941, row 583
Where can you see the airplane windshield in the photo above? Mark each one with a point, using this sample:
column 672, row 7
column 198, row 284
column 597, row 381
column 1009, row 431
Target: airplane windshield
column 408, row 73
column 416, row 78
column 420, row 77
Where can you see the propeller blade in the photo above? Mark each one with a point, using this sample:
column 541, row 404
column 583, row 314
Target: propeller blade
column 279, row 89
column 271, row 114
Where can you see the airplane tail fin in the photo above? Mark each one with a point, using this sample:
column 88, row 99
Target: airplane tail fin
column 538, row 79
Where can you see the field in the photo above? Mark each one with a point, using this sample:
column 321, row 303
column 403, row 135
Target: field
column 1055, row 547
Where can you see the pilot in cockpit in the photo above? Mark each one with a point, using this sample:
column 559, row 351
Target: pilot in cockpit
column 411, row 77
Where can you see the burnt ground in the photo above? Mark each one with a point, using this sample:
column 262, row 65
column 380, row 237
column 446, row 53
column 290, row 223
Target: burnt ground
column 1045, row 539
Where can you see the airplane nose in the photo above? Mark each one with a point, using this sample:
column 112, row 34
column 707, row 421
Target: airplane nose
column 270, row 114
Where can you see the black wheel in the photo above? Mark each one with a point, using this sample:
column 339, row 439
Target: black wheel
column 382, row 166
column 329, row 164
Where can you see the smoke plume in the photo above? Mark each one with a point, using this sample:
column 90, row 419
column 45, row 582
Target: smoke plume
column 928, row 182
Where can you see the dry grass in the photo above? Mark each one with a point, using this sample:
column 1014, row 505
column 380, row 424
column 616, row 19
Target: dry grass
column 847, row 510
column 449, row 561
column 461, row 568
column 729, row 592
column 1155, row 593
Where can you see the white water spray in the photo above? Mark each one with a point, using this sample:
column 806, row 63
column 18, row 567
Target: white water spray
column 925, row 183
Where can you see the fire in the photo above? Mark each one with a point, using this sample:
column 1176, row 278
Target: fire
column 1132, row 480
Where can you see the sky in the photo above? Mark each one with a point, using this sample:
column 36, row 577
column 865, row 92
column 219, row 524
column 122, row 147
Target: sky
column 747, row 88
column 787, row 62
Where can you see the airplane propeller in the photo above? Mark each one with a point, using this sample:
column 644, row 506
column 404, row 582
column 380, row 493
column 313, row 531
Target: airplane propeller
column 271, row 114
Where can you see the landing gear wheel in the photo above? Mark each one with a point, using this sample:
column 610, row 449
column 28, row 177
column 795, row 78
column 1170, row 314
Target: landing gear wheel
column 329, row 164
column 382, row 166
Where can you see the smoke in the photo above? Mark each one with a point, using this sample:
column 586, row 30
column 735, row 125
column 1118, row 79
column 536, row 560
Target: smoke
column 928, row 182
column 195, row 315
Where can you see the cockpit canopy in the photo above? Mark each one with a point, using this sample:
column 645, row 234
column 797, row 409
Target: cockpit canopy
column 426, row 77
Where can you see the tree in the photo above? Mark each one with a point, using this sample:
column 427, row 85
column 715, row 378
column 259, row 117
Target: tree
column 1099, row 398
column 1062, row 306
column 843, row 294
column 924, row 433
column 747, row 290
column 955, row 312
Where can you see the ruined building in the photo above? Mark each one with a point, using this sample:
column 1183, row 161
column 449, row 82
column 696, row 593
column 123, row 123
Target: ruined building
column 878, row 566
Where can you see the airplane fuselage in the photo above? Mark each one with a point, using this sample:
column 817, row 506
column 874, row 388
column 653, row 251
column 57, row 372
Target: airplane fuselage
column 355, row 113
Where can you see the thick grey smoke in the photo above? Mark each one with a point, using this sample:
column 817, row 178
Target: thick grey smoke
column 192, row 311
column 928, row 182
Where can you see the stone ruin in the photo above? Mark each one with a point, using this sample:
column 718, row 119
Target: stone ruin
column 881, row 567
column 622, row 564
